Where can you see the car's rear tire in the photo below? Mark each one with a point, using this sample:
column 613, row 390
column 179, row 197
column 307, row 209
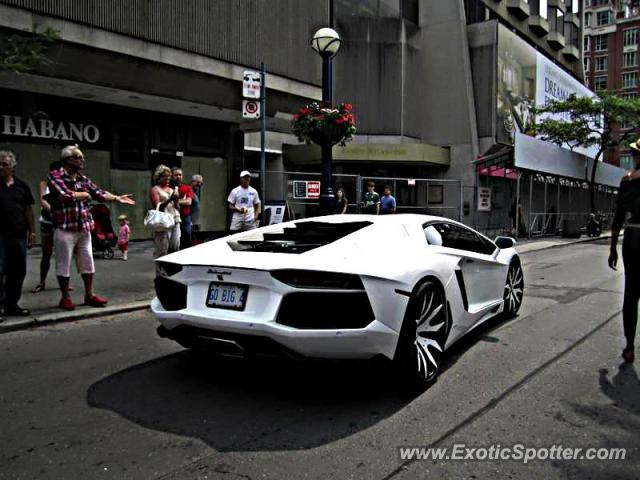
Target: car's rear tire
column 422, row 338
column 513, row 288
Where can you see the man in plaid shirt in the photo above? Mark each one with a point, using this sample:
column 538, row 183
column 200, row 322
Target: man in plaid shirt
column 70, row 194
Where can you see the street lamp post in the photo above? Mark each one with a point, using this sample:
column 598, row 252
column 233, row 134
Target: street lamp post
column 326, row 42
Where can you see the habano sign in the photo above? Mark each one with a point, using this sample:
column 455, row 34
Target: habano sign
column 44, row 128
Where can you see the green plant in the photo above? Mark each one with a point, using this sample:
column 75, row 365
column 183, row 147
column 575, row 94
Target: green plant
column 318, row 124
column 26, row 52
column 587, row 122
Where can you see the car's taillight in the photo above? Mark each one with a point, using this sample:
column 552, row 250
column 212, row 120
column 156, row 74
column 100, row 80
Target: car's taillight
column 315, row 279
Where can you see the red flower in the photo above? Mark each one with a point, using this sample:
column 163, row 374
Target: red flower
column 296, row 118
column 347, row 106
column 340, row 120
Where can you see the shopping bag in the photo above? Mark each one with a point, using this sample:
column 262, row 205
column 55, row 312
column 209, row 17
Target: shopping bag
column 158, row 221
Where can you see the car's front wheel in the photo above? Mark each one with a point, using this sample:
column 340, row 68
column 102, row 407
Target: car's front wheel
column 422, row 336
column 514, row 288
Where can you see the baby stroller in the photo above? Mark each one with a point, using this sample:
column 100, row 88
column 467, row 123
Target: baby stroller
column 103, row 237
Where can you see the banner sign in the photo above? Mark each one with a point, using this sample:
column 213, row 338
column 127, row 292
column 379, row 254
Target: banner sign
column 484, row 199
column 526, row 78
column 306, row 189
column 13, row 125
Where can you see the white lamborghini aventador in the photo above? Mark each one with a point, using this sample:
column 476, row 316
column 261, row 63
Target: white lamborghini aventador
column 404, row 287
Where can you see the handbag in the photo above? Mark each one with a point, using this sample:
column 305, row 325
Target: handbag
column 159, row 221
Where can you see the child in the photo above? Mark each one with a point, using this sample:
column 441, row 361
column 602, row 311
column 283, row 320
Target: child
column 123, row 236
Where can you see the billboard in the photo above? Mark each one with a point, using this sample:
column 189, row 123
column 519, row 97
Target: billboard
column 526, row 78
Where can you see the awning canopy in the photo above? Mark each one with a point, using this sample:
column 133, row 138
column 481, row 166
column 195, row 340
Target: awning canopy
column 373, row 152
column 499, row 155
column 544, row 157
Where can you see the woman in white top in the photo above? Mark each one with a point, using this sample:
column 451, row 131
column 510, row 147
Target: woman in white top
column 162, row 193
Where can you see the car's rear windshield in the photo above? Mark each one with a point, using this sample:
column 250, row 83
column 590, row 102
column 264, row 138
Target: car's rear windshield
column 299, row 238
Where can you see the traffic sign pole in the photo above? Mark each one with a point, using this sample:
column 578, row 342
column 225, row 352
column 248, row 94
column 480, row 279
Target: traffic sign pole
column 263, row 134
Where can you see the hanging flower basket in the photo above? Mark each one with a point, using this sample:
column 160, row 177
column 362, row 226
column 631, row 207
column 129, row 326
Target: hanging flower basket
column 325, row 125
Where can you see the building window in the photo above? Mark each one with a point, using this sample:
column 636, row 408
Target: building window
column 560, row 22
column 630, row 96
column 629, row 80
column 626, row 162
column 587, row 64
column 600, row 83
column 602, row 43
column 631, row 37
column 539, row 7
column 603, row 17
column 629, row 59
column 587, row 19
column 600, row 64
column 630, row 8
column 130, row 144
column 587, row 43
column 575, row 6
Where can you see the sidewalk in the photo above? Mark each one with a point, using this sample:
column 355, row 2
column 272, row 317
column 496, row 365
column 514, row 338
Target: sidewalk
column 535, row 244
column 129, row 285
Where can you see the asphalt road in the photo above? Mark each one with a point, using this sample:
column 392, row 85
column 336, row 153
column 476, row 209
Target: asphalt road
column 108, row 399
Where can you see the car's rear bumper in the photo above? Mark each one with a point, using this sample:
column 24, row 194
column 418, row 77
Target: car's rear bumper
column 251, row 335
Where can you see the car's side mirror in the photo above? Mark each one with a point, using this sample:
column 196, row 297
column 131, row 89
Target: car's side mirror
column 504, row 242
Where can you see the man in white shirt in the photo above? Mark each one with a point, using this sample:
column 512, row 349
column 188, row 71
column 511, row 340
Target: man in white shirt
column 244, row 202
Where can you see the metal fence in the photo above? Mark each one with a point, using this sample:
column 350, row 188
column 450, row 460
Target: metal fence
column 547, row 203
column 413, row 195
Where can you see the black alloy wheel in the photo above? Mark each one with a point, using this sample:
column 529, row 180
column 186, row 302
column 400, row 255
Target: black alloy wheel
column 422, row 337
column 108, row 254
column 514, row 289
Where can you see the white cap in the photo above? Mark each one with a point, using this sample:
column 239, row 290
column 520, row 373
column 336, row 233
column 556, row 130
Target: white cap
column 245, row 173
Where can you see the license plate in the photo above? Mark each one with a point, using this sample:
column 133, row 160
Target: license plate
column 227, row 295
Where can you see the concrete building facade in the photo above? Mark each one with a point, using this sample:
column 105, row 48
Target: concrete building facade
column 611, row 57
column 442, row 90
column 154, row 82
column 462, row 76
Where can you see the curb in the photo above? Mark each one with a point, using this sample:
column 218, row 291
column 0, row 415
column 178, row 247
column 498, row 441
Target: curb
column 604, row 236
column 59, row 317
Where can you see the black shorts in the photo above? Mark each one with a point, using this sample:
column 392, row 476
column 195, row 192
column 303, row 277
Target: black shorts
column 46, row 228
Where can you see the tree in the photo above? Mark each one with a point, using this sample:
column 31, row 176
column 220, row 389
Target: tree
column 25, row 53
column 589, row 121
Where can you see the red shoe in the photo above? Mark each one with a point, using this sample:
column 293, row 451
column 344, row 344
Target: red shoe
column 95, row 301
column 67, row 304
column 628, row 355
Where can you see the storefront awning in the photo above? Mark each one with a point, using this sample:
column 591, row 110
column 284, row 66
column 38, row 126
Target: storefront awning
column 499, row 155
column 497, row 162
column 539, row 156
column 373, row 152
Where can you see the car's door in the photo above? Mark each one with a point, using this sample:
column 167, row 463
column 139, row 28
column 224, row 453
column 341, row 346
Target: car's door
column 482, row 276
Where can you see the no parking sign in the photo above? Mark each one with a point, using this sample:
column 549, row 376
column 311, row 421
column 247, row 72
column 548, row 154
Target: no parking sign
column 251, row 108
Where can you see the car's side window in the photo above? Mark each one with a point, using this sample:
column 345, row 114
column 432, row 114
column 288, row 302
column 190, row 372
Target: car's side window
column 455, row 236
column 432, row 235
column 488, row 247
